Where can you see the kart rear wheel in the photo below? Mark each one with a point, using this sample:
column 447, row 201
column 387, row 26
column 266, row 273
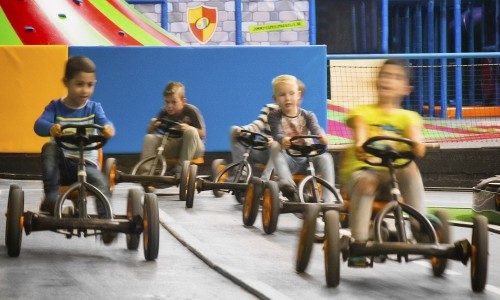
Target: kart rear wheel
column 443, row 235
column 151, row 225
column 11, row 188
column 217, row 166
column 193, row 170
column 331, row 248
column 110, row 170
column 243, row 169
column 134, row 209
column 479, row 253
column 270, row 207
column 184, row 181
column 15, row 221
column 154, row 165
column 252, row 201
column 306, row 238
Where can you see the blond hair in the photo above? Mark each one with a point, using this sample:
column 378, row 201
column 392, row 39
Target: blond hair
column 290, row 79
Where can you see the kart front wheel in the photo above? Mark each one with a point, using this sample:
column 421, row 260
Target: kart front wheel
column 270, row 207
column 443, row 235
column 134, row 210
column 252, row 201
column 151, row 225
column 331, row 248
column 479, row 255
column 306, row 237
column 15, row 221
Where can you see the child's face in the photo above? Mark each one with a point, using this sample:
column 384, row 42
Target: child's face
column 174, row 104
column 288, row 97
column 392, row 84
column 80, row 88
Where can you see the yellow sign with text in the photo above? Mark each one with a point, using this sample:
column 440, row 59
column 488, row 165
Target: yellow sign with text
column 277, row 26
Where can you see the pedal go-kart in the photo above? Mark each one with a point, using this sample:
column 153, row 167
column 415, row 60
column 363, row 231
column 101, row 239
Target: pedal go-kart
column 152, row 172
column 310, row 187
column 395, row 244
column 71, row 217
column 234, row 177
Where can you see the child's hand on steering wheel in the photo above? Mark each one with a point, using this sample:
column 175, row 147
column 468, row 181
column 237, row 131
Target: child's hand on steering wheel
column 419, row 149
column 360, row 152
column 108, row 131
column 286, row 142
column 56, row 130
column 323, row 139
column 183, row 127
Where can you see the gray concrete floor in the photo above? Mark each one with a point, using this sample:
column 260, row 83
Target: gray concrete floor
column 207, row 253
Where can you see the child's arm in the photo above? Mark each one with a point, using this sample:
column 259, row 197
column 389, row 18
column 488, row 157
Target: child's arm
column 101, row 119
column 314, row 128
column 359, row 135
column 277, row 133
column 259, row 125
column 44, row 124
column 414, row 133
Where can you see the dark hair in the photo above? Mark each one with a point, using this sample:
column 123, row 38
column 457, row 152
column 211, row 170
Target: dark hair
column 77, row 64
column 399, row 62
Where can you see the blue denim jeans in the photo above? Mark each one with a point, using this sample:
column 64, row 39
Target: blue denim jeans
column 285, row 166
column 58, row 169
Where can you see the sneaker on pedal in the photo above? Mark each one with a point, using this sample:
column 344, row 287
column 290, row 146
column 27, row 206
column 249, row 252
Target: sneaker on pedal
column 358, row 262
column 47, row 207
column 290, row 193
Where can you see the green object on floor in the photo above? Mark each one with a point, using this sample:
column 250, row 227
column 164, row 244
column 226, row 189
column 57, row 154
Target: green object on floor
column 467, row 214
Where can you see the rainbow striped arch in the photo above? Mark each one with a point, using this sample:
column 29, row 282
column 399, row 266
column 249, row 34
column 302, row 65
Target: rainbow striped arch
column 79, row 23
column 202, row 22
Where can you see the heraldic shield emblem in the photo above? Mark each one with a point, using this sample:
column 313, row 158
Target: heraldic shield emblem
column 202, row 22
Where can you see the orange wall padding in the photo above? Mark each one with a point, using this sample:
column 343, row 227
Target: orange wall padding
column 30, row 76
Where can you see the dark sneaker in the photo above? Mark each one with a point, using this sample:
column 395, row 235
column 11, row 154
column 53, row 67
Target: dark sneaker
column 175, row 172
column 420, row 235
column 290, row 193
column 358, row 262
column 47, row 207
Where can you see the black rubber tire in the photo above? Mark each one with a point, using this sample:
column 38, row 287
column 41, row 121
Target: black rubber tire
column 191, row 185
column 217, row 166
column 14, row 221
column 238, row 194
column 253, row 195
column 306, row 237
column 184, row 180
column 479, row 255
column 134, row 208
column 270, row 207
column 331, row 248
column 443, row 234
column 110, row 171
column 11, row 188
column 151, row 225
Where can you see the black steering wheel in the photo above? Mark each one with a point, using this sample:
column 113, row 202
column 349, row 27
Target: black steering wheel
column 378, row 146
column 300, row 148
column 253, row 139
column 171, row 127
column 73, row 140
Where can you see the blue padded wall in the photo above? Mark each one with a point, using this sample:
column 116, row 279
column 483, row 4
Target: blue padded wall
column 228, row 84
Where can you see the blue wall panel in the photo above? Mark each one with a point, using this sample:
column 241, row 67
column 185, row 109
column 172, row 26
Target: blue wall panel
column 228, row 84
